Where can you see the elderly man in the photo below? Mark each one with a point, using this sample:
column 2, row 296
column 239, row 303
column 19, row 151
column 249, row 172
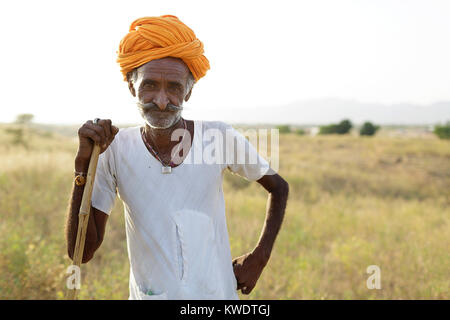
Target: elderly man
column 173, row 200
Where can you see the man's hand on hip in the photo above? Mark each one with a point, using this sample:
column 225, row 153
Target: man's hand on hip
column 247, row 269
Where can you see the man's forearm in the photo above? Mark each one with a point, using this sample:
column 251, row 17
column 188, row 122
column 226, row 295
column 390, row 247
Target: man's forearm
column 72, row 219
column 276, row 205
column 248, row 268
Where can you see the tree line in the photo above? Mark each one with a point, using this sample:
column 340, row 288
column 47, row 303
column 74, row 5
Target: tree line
column 367, row 129
column 343, row 127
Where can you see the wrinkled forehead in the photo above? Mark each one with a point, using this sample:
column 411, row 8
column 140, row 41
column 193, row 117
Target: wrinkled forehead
column 170, row 68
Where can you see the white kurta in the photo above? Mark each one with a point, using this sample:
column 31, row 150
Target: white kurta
column 176, row 229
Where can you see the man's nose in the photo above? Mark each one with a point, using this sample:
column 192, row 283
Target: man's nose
column 161, row 100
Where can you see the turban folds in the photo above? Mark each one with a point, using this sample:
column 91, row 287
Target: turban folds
column 151, row 38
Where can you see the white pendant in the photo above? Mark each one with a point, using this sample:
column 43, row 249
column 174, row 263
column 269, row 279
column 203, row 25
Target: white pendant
column 165, row 169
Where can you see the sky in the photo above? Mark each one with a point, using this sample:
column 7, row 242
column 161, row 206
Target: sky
column 58, row 59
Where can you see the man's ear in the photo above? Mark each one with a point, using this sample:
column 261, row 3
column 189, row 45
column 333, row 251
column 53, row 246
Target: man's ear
column 131, row 85
column 186, row 98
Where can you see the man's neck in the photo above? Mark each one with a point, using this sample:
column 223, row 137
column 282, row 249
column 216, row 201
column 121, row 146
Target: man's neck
column 162, row 137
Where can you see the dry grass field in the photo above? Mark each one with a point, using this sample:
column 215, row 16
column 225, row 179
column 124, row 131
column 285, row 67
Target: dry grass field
column 353, row 202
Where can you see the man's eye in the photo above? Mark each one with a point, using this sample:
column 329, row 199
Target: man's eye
column 175, row 88
column 149, row 85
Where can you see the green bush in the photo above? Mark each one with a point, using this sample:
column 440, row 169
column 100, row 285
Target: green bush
column 300, row 132
column 368, row 129
column 284, row 128
column 443, row 132
column 329, row 129
column 342, row 128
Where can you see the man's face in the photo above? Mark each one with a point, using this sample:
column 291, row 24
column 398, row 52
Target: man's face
column 160, row 88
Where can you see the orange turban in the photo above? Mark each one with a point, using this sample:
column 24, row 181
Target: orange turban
column 152, row 38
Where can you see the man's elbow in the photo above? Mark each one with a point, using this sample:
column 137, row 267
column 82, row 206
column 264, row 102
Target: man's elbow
column 282, row 188
column 287, row 188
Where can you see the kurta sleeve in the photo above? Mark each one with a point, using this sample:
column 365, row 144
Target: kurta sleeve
column 241, row 156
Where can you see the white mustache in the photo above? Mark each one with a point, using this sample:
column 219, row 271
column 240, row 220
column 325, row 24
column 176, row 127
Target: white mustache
column 146, row 107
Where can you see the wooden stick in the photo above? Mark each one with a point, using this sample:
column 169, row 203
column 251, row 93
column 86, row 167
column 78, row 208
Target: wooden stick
column 83, row 215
